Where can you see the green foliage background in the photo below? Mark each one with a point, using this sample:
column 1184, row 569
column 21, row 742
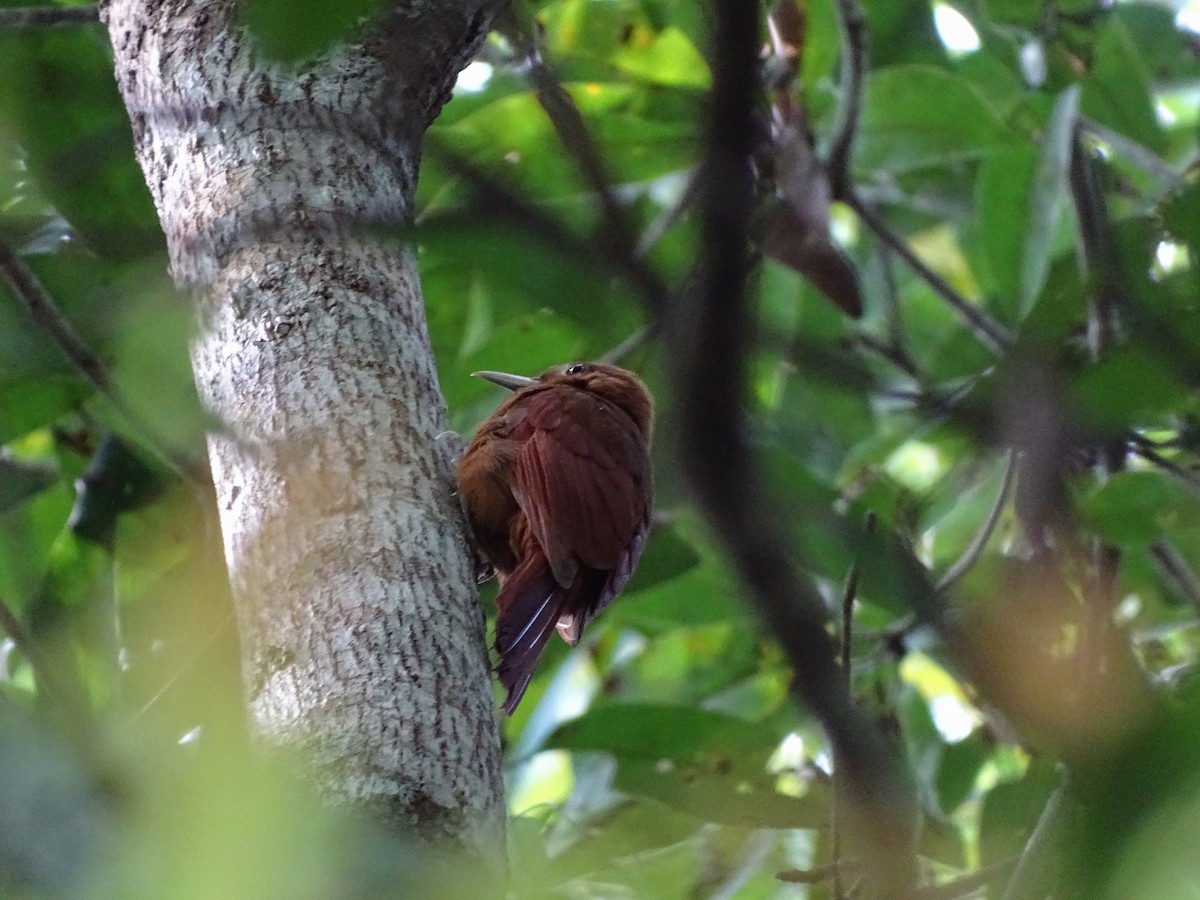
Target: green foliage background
column 663, row 757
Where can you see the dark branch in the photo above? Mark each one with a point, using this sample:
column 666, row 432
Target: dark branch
column 575, row 138
column 855, row 61
column 30, row 292
column 495, row 199
column 1146, row 451
column 708, row 339
column 989, row 332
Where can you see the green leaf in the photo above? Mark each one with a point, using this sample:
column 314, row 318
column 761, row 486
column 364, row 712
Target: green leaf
column 904, row 128
column 714, row 796
column 667, row 556
column 58, row 96
column 1134, row 508
column 680, row 733
column 1130, row 385
column 665, row 58
column 21, row 480
column 958, row 772
column 1047, row 194
column 1181, row 215
column 1117, row 91
column 29, row 403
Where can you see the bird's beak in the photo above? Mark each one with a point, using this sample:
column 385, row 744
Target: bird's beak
column 509, row 382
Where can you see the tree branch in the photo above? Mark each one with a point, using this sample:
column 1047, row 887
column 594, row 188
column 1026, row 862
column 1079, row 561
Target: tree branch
column 23, row 641
column 975, row 550
column 708, row 339
column 28, row 289
column 855, row 61
column 498, row 200
column 990, row 333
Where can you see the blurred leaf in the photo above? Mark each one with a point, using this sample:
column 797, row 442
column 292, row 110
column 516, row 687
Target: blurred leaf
column 959, row 770
column 1010, row 811
column 29, row 403
column 21, row 480
column 901, row 130
column 1130, row 383
column 664, row 58
column 1116, row 91
column 714, row 796
column 1047, row 192
column 58, row 94
column 1181, row 215
column 1134, row 508
column 667, row 556
column 683, row 734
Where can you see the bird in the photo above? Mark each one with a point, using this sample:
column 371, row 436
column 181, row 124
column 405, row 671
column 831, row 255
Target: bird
column 557, row 489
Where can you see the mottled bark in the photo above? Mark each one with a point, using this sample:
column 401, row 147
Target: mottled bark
column 282, row 195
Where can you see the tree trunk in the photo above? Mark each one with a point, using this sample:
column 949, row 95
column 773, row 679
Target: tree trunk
column 281, row 192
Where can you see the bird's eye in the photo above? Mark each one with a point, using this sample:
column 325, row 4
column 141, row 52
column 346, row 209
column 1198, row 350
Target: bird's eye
column 576, row 369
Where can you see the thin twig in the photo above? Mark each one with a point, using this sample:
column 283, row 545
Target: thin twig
column 1100, row 258
column 855, row 61
column 616, row 229
column 989, row 332
column 967, row 884
column 1030, row 876
column 23, row 640
column 499, row 200
column 890, row 352
column 49, row 16
column 818, row 874
column 621, row 352
column 667, row 219
column 28, row 289
column 1190, row 479
column 975, row 550
column 1105, row 304
column 849, row 595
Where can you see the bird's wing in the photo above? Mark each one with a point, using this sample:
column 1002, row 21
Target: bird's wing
column 583, row 480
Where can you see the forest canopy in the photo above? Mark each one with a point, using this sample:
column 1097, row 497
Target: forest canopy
column 967, row 367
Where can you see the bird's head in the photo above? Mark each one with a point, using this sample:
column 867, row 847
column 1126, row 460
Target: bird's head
column 617, row 386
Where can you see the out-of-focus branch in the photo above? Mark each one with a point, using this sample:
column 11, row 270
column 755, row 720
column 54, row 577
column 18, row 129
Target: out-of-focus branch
column 23, row 641
column 1032, row 874
column 1138, row 154
column 855, row 62
column 707, row 340
column 849, row 597
column 1104, row 321
column 45, row 312
column 41, row 306
column 576, row 139
column 498, row 200
column 971, row 555
column 1146, row 451
column 667, row 219
column 621, row 352
column 49, row 16
column 989, row 332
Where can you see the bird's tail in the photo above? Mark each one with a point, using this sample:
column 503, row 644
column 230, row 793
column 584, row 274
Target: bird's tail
column 530, row 602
